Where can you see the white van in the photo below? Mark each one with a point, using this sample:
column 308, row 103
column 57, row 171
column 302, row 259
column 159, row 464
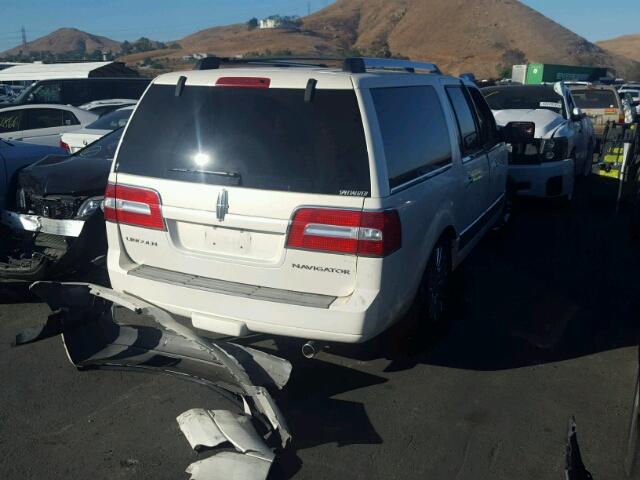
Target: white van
column 306, row 201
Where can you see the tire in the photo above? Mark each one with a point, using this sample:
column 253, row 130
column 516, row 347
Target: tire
column 635, row 218
column 589, row 161
column 433, row 293
column 508, row 208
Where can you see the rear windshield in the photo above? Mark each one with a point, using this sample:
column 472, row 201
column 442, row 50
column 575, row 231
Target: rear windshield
column 112, row 120
column 257, row 138
column 595, row 98
column 533, row 97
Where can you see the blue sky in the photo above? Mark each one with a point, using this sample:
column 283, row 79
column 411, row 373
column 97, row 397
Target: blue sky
column 171, row 19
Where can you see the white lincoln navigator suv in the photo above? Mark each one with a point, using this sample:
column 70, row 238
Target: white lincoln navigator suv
column 302, row 200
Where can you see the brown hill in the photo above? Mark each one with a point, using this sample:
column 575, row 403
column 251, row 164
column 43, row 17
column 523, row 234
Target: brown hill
column 627, row 46
column 483, row 36
column 66, row 40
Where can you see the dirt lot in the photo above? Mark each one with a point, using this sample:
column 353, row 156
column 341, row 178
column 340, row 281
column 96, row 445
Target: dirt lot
column 545, row 327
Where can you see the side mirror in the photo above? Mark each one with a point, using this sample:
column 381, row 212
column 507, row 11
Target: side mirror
column 576, row 114
column 518, row 132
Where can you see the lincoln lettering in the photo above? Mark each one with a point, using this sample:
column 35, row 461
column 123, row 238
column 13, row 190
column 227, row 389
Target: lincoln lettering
column 314, row 268
column 142, row 242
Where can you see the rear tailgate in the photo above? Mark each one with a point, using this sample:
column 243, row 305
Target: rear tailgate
column 231, row 167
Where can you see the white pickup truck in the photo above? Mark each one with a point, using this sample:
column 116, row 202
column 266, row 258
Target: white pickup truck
column 564, row 141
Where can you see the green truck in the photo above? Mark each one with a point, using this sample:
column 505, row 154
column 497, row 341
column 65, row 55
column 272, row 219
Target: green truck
column 536, row 73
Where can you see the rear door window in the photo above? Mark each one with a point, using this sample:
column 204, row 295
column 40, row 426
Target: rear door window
column 414, row 131
column 463, row 109
column 69, row 118
column 12, row 121
column 43, row 118
column 268, row 139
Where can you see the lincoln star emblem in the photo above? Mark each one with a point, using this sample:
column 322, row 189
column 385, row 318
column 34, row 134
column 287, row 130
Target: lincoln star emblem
column 222, row 206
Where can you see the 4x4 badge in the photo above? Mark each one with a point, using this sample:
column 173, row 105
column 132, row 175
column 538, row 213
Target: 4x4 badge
column 222, row 206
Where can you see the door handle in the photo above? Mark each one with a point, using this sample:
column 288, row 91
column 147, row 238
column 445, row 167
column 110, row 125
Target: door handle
column 470, row 179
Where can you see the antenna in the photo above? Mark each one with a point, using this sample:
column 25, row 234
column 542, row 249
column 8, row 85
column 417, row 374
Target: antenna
column 24, row 37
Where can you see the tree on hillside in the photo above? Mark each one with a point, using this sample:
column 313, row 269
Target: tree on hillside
column 126, row 47
column 252, row 24
column 511, row 57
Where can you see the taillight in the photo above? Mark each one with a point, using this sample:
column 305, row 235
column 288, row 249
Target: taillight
column 133, row 206
column 243, row 82
column 65, row 146
column 374, row 234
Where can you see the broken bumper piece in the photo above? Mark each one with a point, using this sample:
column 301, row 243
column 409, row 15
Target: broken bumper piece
column 83, row 315
column 210, row 428
column 37, row 223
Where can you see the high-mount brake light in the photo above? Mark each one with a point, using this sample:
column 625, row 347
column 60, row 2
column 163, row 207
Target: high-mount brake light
column 133, row 206
column 372, row 234
column 243, row 82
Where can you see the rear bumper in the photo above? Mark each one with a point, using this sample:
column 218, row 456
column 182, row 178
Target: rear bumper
column 352, row 319
column 552, row 179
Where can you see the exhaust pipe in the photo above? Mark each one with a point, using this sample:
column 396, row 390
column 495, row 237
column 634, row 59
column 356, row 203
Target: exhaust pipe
column 309, row 349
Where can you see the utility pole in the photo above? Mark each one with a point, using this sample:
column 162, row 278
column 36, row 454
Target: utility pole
column 308, row 8
column 24, row 37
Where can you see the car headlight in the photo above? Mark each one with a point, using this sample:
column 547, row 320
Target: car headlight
column 554, row 149
column 89, row 206
column 21, row 199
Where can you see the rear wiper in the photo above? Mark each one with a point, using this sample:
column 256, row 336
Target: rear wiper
column 235, row 175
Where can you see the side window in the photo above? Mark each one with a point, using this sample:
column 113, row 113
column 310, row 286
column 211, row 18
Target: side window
column 488, row 129
column 43, row 118
column 463, row 108
column 11, row 121
column 50, row 92
column 414, row 131
column 102, row 89
column 69, row 118
column 76, row 92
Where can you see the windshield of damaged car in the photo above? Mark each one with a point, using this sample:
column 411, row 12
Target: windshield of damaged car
column 534, row 97
column 102, row 149
column 595, row 98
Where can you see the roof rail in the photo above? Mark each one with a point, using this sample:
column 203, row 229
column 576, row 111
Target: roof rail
column 212, row 63
column 362, row 65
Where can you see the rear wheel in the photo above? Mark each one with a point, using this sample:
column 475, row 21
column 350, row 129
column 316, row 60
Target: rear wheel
column 433, row 293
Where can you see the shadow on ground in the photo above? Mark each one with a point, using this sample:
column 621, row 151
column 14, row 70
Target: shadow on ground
column 559, row 283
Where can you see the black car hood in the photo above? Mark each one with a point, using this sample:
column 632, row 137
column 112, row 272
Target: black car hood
column 61, row 175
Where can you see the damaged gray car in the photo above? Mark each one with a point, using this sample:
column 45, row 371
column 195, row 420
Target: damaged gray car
column 83, row 314
column 55, row 222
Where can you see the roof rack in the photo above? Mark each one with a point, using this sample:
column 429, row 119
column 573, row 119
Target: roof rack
column 213, row 63
column 363, row 65
column 351, row 65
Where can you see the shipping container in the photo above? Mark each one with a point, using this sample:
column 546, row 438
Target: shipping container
column 536, row 73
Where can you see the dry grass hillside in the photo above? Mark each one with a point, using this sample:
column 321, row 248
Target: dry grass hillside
column 65, row 40
column 483, row 36
column 627, row 46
